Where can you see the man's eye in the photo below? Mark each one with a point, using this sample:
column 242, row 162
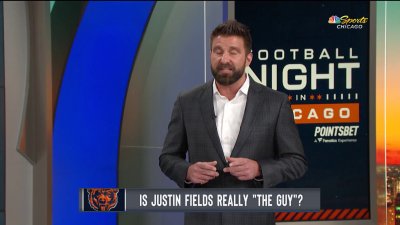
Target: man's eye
column 218, row 52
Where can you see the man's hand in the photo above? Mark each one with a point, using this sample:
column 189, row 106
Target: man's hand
column 243, row 168
column 202, row 172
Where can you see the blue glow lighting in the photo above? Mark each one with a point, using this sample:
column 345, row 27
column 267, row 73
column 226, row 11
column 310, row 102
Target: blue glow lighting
column 89, row 109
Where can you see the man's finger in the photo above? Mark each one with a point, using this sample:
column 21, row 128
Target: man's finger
column 243, row 177
column 236, row 161
column 235, row 170
column 227, row 170
column 213, row 163
column 208, row 165
column 209, row 173
column 238, row 168
column 203, row 178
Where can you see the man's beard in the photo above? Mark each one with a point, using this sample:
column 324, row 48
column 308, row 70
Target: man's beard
column 226, row 80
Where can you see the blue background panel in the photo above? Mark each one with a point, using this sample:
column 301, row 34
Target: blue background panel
column 90, row 104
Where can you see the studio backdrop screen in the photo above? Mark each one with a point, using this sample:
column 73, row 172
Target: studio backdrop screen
column 318, row 54
column 119, row 66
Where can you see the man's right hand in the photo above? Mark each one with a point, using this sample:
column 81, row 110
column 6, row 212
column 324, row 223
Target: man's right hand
column 202, row 172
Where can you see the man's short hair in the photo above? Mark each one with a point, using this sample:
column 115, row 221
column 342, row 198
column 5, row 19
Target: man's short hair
column 233, row 28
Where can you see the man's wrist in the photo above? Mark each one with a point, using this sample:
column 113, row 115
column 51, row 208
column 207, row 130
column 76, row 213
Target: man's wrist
column 259, row 176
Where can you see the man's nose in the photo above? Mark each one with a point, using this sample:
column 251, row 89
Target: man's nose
column 224, row 58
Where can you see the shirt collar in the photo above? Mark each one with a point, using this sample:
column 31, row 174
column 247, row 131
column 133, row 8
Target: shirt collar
column 244, row 89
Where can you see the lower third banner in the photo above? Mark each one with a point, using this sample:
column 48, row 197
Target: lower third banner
column 260, row 200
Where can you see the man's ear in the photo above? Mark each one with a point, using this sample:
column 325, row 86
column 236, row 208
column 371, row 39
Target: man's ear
column 249, row 58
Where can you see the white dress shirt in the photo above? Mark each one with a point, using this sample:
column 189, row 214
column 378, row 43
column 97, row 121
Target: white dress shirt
column 229, row 115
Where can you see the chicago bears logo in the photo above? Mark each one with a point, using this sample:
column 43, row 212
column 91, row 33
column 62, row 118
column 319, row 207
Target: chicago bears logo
column 103, row 199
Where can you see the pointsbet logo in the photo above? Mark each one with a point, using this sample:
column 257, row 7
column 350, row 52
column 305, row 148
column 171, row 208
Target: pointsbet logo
column 347, row 22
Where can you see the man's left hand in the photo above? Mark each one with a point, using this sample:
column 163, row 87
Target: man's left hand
column 243, row 168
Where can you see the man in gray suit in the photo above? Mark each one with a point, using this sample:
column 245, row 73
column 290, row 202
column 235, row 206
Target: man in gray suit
column 237, row 133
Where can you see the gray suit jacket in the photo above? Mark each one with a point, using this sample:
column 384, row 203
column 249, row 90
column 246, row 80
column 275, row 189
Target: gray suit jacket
column 267, row 134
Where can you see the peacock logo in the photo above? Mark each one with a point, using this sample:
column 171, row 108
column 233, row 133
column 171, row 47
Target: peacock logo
column 334, row 20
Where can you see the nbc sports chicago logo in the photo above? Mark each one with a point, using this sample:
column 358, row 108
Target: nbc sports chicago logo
column 347, row 22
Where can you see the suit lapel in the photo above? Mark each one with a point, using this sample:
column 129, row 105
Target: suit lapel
column 254, row 100
column 208, row 114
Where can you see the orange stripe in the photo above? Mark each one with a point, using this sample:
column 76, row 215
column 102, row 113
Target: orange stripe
column 316, row 215
column 298, row 216
column 281, row 216
column 361, row 213
column 326, row 214
column 307, row 216
column 326, row 113
column 352, row 214
column 334, row 214
column 289, row 217
column 343, row 214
